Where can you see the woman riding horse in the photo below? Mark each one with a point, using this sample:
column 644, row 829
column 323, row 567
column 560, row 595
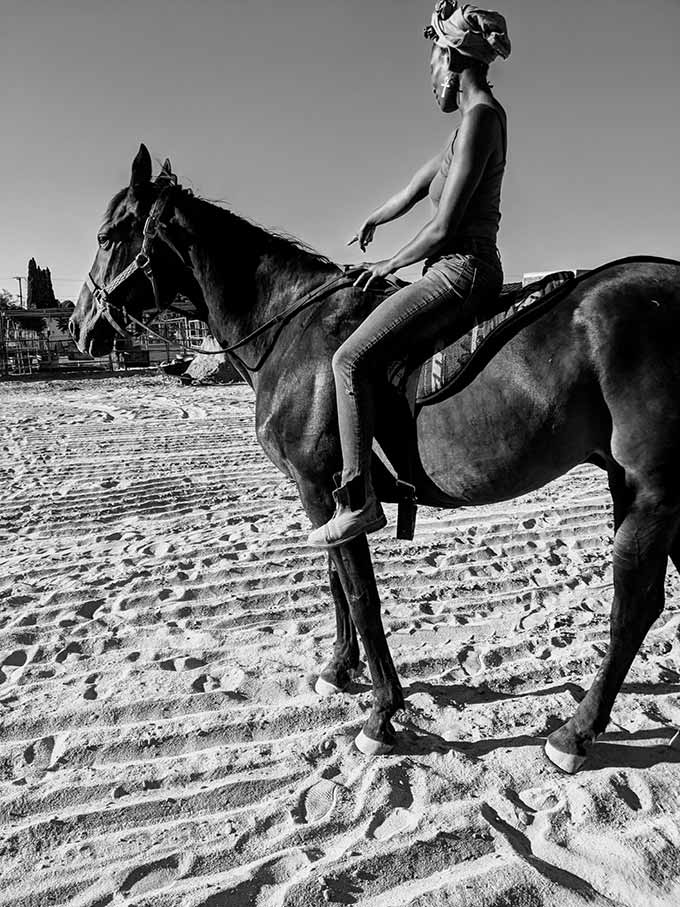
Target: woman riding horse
column 458, row 244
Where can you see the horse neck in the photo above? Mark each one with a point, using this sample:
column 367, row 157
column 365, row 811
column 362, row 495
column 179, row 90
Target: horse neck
column 246, row 275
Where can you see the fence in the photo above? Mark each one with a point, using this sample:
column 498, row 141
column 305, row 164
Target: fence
column 28, row 355
column 25, row 352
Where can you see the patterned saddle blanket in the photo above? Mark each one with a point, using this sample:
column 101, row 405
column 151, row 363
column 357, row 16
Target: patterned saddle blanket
column 454, row 366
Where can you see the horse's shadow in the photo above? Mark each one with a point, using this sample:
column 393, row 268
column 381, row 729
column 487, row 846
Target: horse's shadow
column 615, row 749
column 458, row 695
column 608, row 753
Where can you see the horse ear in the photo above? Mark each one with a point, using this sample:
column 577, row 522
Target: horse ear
column 141, row 168
column 166, row 176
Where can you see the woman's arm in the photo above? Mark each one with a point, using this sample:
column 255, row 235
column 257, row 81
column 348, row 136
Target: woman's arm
column 400, row 202
column 475, row 142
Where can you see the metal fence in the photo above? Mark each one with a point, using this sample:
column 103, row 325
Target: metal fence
column 25, row 352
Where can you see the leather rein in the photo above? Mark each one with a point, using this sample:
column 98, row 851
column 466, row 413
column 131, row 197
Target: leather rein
column 155, row 229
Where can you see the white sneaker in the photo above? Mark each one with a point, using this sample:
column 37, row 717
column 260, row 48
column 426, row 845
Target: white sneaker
column 346, row 524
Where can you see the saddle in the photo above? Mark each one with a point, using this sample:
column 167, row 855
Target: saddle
column 453, row 367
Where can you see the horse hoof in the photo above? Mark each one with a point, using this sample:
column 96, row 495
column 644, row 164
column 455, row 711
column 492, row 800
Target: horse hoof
column 370, row 747
column 326, row 688
column 567, row 762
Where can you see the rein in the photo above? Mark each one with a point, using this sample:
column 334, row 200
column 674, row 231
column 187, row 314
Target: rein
column 332, row 285
column 154, row 228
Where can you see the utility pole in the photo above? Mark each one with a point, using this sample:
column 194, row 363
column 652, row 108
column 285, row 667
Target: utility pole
column 21, row 295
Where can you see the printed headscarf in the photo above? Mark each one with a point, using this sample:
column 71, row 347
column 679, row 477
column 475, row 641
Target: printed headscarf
column 478, row 33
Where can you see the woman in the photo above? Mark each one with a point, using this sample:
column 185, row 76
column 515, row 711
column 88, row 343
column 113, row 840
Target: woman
column 458, row 246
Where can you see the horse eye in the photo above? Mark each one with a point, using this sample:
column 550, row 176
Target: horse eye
column 104, row 241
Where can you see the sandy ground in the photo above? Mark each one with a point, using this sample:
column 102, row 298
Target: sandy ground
column 160, row 629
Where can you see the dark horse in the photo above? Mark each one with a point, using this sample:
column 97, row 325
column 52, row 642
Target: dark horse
column 595, row 379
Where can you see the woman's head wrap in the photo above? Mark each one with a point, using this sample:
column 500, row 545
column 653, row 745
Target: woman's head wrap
column 478, row 33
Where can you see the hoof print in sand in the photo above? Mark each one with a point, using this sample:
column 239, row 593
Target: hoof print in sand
column 204, row 683
column 188, row 663
column 91, row 689
column 399, row 821
column 152, row 875
column 73, row 648
column 42, row 755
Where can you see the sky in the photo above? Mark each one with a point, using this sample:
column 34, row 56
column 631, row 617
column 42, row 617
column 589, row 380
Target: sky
column 305, row 115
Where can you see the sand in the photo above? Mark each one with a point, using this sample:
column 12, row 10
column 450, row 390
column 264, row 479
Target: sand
column 161, row 626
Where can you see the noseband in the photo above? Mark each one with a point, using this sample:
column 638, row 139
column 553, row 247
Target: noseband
column 153, row 228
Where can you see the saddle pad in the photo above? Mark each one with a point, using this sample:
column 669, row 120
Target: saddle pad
column 449, row 366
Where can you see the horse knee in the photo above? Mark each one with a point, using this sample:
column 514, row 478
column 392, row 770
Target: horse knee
column 659, row 505
column 650, row 526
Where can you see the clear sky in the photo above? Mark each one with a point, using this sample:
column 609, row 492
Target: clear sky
column 306, row 114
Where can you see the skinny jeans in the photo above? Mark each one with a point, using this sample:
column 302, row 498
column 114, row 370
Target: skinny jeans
column 430, row 313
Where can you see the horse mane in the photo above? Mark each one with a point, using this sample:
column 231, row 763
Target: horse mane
column 217, row 217
column 293, row 251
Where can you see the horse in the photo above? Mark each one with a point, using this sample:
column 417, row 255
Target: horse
column 595, row 379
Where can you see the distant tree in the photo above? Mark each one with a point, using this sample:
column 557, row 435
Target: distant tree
column 9, row 302
column 40, row 294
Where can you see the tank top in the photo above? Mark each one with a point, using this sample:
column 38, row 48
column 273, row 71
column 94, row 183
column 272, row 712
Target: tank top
column 482, row 215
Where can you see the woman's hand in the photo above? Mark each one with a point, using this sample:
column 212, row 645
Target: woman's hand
column 371, row 271
column 365, row 234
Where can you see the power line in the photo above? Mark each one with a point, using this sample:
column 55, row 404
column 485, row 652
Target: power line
column 54, row 279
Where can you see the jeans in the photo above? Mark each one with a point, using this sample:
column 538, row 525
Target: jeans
column 431, row 312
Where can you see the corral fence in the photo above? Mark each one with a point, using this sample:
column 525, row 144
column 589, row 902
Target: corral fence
column 24, row 351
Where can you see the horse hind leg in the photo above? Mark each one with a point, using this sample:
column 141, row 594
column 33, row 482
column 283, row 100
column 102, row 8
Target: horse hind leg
column 643, row 543
column 336, row 675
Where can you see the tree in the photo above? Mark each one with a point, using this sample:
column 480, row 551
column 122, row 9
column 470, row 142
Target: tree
column 9, row 302
column 39, row 294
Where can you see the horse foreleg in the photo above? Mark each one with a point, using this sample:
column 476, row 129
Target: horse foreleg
column 641, row 549
column 355, row 570
column 621, row 495
column 335, row 677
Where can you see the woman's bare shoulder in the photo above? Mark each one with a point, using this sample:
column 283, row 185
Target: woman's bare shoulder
column 484, row 118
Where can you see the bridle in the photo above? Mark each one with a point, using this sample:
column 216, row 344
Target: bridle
column 154, row 229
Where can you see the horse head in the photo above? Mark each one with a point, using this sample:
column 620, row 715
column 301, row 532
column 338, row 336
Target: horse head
column 138, row 268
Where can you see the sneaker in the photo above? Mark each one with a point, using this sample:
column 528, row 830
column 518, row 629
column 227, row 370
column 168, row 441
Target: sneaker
column 357, row 511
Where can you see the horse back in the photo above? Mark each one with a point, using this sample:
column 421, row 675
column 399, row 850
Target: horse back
column 543, row 403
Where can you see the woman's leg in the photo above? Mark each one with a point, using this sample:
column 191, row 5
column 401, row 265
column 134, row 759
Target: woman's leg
column 440, row 306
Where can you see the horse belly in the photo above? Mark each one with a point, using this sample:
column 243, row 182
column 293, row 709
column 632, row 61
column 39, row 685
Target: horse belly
column 517, row 426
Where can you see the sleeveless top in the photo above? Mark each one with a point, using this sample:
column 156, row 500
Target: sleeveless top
column 482, row 216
